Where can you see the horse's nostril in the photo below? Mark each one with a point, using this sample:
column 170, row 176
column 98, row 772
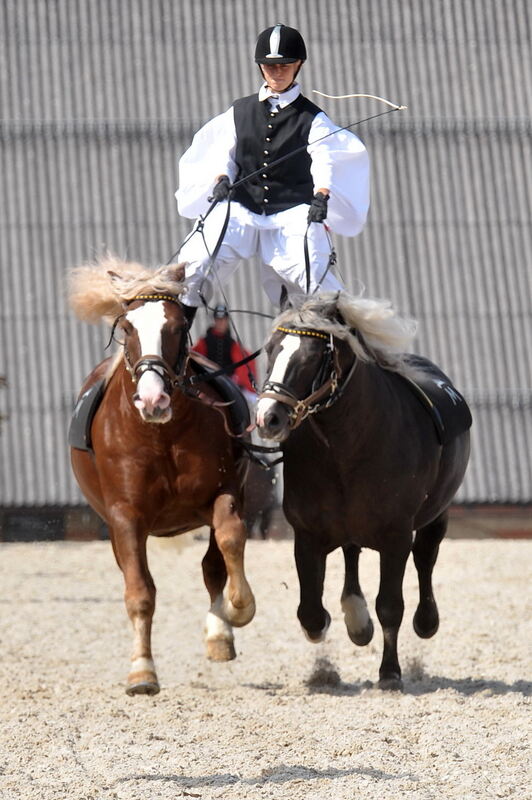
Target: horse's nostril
column 272, row 420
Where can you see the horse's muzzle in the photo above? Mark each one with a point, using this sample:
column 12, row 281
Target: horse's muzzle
column 272, row 420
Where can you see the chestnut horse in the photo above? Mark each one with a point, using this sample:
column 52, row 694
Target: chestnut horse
column 162, row 461
column 363, row 465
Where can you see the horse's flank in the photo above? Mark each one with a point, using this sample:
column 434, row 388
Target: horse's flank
column 371, row 327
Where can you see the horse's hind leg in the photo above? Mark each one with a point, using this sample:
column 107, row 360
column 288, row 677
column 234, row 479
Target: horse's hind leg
column 357, row 619
column 219, row 639
column 390, row 608
column 232, row 601
column 310, row 564
column 425, row 552
column 129, row 546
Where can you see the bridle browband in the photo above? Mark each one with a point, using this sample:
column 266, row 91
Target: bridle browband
column 328, row 391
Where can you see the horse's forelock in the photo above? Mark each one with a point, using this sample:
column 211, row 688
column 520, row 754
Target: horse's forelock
column 99, row 289
column 382, row 334
column 134, row 279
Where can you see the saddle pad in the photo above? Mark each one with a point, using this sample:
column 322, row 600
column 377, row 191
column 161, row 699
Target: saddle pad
column 447, row 407
column 228, row 391
column 79, row 432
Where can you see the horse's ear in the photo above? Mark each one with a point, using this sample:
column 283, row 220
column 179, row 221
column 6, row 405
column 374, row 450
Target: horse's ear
column 117, row 284
column 174, row 273
column 284, row 303
column 114, row 276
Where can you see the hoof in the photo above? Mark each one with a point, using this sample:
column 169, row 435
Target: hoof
column 143, row 687
column 357, row 619
column 363, row 637
column 426, row 621
column 142, row 678
column 391, row 684
column 318, row 636
column 220, row 649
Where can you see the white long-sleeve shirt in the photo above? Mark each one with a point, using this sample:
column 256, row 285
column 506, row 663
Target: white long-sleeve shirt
column 339, row 163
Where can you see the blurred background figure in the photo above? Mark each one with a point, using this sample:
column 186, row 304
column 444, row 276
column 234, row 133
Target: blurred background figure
column 219, row 346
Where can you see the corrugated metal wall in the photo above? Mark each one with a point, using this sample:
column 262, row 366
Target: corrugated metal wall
column 98, row 99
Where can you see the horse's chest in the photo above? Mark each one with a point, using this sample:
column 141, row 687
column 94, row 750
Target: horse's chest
column 355, row 501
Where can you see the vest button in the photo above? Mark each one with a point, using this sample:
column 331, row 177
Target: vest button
column 266, row 152
column 264, row 175
column 265, row 200
column 270, row 126
column 266, row 188
column 268, row 139
column 272, row 115
column 265, row 164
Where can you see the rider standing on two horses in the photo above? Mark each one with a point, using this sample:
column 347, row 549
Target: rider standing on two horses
column 272, row 213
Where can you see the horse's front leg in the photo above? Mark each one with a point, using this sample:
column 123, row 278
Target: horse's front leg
column 356, row 616
column 310, row 564
column 232, row 601
column 390, row 608
column 129, row 545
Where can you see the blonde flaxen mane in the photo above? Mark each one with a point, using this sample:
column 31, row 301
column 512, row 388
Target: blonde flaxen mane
column 99, row 290
column 383, row 336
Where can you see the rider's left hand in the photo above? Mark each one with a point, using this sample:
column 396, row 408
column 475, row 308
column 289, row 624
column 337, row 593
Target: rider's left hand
column 318, row 207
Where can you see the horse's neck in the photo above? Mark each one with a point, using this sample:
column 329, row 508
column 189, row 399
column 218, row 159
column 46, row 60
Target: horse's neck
column 362, row 403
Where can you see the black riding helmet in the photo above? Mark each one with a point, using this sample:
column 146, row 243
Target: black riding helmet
column 280, row 45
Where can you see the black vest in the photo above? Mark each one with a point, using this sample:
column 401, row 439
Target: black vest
column 264, row 136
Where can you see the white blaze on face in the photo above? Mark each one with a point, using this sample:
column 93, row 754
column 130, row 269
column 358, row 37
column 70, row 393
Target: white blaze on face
column 148, row 321
column 289, row 345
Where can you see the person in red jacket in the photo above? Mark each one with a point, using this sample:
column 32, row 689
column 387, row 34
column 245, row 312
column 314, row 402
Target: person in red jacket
column 219, row 346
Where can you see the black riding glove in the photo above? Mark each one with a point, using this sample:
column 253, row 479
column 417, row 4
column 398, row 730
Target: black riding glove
column 318, row 208
column 222, row 190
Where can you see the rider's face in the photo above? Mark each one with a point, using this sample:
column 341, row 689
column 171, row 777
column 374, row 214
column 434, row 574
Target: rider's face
column 280, row 77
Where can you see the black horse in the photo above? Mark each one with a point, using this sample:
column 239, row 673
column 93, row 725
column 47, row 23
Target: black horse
column 365, row 464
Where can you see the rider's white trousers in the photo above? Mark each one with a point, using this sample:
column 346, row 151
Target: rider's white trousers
column 277, row 240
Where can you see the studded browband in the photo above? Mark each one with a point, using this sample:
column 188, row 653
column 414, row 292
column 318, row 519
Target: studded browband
column 303, row 332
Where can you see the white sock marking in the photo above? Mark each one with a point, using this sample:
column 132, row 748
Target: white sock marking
column 356, row 613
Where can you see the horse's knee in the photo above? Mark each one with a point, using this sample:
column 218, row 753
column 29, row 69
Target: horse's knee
column 140, row 604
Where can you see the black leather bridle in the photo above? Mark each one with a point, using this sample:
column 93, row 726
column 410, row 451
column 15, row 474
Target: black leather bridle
column 326, row 388
column 172, row 376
